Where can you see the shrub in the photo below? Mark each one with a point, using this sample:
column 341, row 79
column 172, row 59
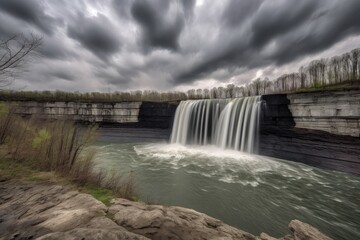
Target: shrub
column 60, row 146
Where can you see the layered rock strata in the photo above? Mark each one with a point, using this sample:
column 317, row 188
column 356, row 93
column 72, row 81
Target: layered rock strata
column 320, row 129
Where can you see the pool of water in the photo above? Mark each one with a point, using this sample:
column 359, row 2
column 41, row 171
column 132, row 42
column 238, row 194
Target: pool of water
column 254, row 193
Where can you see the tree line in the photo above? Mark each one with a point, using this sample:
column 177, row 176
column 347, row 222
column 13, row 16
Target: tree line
column 318, row 74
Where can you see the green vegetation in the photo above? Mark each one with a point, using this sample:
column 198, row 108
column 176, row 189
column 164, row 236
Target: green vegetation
column 101, row 194
column 54, row 150
column 27, row 172
column 16, row 171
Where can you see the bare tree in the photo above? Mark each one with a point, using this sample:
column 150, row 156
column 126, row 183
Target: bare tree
column 14, row 53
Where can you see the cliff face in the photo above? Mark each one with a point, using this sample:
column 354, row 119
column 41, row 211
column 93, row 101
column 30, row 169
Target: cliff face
column 336, row 112
column 87, row 112
column 143, row 114
column 319, row 129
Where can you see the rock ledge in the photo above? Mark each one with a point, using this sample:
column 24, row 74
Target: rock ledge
column 43, row 211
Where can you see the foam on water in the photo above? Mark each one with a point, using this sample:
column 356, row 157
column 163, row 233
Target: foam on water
column 181, row 175
column 229, row 166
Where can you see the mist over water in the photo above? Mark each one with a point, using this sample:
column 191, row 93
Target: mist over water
column 255, row 193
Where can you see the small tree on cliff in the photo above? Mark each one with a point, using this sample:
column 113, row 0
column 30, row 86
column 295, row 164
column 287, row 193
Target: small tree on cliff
column 15, row 52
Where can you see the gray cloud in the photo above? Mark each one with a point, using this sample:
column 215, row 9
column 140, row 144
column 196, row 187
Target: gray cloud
column 320, row 32
column 161, row 21
column 95, row 34
column 239, row 10
column 275, row 18
column 276, row 32
column 29, row 11
column 122, row 7
column 63, row 75
column 138, row 44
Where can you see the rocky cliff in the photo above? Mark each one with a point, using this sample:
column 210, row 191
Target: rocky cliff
column 320, row 129
column 336, row 112
column 142, row 114
column 45, row 211
column 317, row 128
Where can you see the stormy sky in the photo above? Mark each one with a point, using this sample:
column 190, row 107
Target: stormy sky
column 118, row 45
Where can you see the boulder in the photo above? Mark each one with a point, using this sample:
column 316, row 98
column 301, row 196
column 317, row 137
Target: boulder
column 304, row 231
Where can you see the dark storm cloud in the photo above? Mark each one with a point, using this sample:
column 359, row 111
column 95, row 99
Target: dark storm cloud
column 29, row 11
column 324, row 29
column 63, row 75
column 278, row 17
column 239, row 10
column 122, row 7
column 115, row 77
column 188, row 6
column 261, row 33
column 54, row 48
column 159, row 44
column 161, row 28
column 96, row 34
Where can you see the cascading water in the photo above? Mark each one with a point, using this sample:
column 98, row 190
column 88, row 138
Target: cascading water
column 225, row 123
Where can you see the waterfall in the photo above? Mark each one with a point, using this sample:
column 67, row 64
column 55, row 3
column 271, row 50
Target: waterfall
column 226, row 123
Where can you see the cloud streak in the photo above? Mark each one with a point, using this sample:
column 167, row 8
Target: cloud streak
column 152, row 44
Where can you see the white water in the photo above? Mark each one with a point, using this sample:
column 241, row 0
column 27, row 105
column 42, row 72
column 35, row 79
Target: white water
column 252, row 192
column 231, row 124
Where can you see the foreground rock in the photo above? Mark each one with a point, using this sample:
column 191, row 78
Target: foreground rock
column 161, row 222
column 43, row 211
column 54, row 212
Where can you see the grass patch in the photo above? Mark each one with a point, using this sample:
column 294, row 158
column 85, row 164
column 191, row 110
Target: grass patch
column 349, row 85
column 12, row 170
column 101, row 194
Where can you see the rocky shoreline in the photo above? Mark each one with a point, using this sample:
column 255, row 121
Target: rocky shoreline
column 48, row 211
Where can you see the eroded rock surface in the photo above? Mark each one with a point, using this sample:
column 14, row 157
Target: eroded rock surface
column 161, row 222
column 45, row 211
column 304, row 231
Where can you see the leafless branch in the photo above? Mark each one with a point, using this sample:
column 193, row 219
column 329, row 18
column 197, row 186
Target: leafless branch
column 15, row 52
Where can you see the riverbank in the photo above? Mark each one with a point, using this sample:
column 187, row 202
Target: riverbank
column 42, row 209
column 44, row 205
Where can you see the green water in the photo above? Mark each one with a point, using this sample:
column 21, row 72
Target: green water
column 254, row 193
